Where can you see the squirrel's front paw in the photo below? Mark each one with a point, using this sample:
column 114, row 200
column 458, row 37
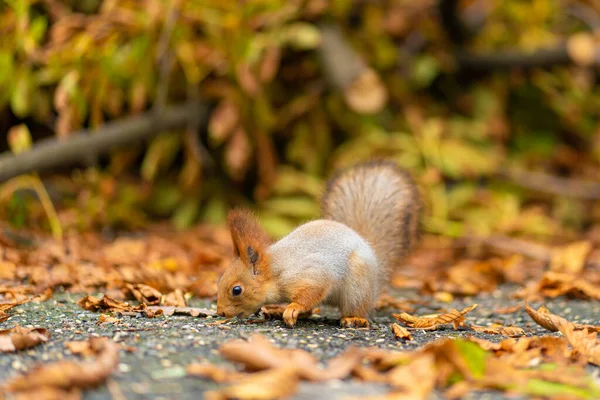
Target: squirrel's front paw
column 291, row 313
column 354, row 322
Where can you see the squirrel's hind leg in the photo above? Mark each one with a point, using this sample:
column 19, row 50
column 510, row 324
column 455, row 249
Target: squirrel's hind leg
column 358, row 296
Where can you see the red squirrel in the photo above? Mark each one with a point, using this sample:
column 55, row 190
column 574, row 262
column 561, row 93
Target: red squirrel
column 370, row 221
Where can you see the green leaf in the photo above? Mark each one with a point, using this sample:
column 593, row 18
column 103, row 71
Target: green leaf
column 538, row 387
column 425, row 70
column 473, row 355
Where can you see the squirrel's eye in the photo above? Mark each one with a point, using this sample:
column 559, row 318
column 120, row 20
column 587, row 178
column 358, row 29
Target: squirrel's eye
column 236, row 291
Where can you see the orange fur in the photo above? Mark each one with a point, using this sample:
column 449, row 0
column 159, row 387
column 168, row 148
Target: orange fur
column 250, row 241
column 305, row 296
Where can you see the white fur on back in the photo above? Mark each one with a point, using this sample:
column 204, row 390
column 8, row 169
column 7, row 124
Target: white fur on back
column 322, row 248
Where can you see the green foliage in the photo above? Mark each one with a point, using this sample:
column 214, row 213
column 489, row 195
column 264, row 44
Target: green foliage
column 279, row 128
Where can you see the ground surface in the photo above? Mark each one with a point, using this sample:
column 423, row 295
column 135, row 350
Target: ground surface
column 165, row 345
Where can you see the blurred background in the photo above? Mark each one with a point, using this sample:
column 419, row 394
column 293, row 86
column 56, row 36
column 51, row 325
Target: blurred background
column 118, row 113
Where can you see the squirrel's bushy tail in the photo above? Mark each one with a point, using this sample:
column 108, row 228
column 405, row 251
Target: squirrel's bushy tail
column 380, row 201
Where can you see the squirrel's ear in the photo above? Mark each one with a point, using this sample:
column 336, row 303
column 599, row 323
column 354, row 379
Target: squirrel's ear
column 250, row 242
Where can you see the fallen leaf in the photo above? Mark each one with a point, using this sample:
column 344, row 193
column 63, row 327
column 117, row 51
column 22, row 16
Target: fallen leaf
column 191, row 311
column 511, row 331
column 583, row 342
column 415, row 380
column 19, row 338
column 92, row 303
column 400, row 332
column 70, row 374
column 543, row 317
column 145, row 294
column 274, row 383
column 431, row 323
column 175, row 299
column 570, row 259
column 554, row 284
column 508, row 310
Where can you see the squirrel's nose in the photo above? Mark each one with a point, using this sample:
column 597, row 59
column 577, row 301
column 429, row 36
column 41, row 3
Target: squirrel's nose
column 221, row 314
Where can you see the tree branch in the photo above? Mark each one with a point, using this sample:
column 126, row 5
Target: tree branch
column 546, row 183
column 51, row 153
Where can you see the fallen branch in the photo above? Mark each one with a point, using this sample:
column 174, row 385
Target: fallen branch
column 546, row 183
column 460, row 33
column 508, row 59
column 52, row 153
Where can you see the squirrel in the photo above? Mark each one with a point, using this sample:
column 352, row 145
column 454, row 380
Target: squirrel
column 370, row 220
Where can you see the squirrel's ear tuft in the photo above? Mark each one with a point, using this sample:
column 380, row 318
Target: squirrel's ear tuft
column 250, row 241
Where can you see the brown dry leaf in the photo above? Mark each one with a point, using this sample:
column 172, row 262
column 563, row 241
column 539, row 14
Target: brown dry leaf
column 495, row 329
column 584, row 342
column 71, row 374
column 401, row 332
column 571, row 258
column 545, row 318
column 191, row 311
column 430, row 323
column 145, row 294
column 213, row 372
column 19, row 338
column 258, row 354
column 175, row 299
column 92, row 303
column 386, row 300
column 485, row 344
column 342, row 365
column 105, row 318
column 274, row 383
column 82, row 348
column 415, row 380
column 508, row 310
column 554, row 284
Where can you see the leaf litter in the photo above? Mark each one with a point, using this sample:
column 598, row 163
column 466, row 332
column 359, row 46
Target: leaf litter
column 162, row 270
column 66, row 378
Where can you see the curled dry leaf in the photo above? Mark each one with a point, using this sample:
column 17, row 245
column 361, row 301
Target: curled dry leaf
column 554, row 284
column 19, row 338
column 584, row 342
column 430, row 323
column 174, row 299
column 70, row 374
column 107, row 303
column 511, row 331
column 401, row 332
column 258, row 354
column 543, row 317
column 145, row 294
column 274, row 383
column 191, row 311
